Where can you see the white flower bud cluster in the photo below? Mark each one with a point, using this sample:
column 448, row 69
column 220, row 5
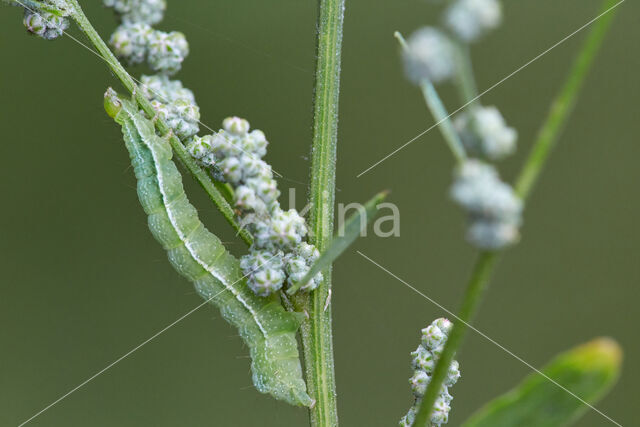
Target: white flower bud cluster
column 167, row 51
column 175, row 104
column 45, row 24
column 298, row 264
column 428, row 56
column 129, row 41
column 471, row 19
column 494, row 210
column 46, row 18
column 430, row 53
column 145, row 11
column 234, row 154
column 264, row 270
column 423, row 362
column 137, row 42
column 483, row 132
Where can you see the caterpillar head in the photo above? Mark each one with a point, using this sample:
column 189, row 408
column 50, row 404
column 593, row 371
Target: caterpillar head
column 112, row 103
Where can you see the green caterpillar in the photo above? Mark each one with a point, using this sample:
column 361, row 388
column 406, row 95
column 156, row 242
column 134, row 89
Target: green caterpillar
column 199, row 256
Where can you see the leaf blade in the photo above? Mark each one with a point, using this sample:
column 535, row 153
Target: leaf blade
column 347, row 234
column 588, row 371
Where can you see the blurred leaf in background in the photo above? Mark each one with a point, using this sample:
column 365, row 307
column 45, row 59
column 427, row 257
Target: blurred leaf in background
column 588, row 371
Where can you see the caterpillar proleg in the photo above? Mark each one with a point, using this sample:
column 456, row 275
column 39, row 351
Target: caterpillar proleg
column 265, row 326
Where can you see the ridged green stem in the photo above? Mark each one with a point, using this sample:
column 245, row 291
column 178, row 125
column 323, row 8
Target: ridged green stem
column 316, row 331
column 486, row 261
column 181, row 153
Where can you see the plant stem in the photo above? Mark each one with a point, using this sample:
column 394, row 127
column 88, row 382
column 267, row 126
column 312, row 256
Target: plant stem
column 181, row 153
column 443, row 120
column 478, row 282
column 564, row 103
column 486, row 261
column 316, row 331
column 466, row 82
column 439, row 112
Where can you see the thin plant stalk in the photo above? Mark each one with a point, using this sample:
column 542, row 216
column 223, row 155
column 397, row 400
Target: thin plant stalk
column 181, row 153
column 439, row 112
column 486, row 261
column 443, row 119
column 316, row 332
column 347, row 234
column 466, row 82
column 563, row 105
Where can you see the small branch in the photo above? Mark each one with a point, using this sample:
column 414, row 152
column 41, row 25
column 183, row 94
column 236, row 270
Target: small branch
column 563, row 105
column 181, row 153
column 439, row 112
column 443, row 120
column 354, row 227
column 316, row 332
column 486, row 261
column 466, row 82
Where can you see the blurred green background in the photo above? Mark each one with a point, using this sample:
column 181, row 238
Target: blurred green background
column 83, row 281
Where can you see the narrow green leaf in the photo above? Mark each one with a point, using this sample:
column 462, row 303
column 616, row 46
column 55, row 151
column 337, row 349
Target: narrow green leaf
column 588, row 371
column 347, row 234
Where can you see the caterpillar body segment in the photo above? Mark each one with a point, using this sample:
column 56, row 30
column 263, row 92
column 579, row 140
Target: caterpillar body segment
column 265, row 326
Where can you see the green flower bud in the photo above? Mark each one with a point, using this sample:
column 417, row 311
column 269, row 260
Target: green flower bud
column 452, row 374
column 444, row 324
column 255, row 143
column 423, row 359
column 181, row 116
column 247, row 200
column 266, row 188
column 44, row 24
column 440, row 414
column 130, row 41
column 236, row 126
column 483, row 132
column 494, row 210
column 432, row 337
column 419, row 382
column 470, row 19
column 199, row 147
column 163, row 89
column 264, row 270
column 230, row 168
column 407, row 420
column 167, row 51
column 429, row 56
column 144, row 11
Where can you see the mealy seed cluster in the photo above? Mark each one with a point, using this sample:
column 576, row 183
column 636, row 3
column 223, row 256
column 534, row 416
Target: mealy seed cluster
column 423, row 362
column 234, row 155
column 44, row 18
column 436, row 55
column 279, row 254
